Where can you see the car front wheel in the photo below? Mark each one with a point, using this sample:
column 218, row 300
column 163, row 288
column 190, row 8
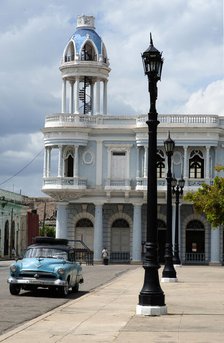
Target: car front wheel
column 14, row 289
column 63, row 291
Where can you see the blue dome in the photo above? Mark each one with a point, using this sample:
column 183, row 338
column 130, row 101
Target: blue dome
column 81, row 35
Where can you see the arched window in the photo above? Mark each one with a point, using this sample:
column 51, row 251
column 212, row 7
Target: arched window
column 70, row 53
column 69, row 162
column 196, row 165
column 84, row 222
column 84, row 232
column 88, row 53
column 160, row 164
column 120, row 223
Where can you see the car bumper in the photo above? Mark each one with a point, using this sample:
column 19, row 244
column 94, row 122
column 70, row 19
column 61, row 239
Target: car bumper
column 36, row 282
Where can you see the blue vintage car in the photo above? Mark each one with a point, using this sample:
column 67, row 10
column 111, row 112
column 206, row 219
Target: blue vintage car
column 48, row 263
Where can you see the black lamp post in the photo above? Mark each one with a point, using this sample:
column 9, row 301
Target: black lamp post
column 177, row 190
column 151, row 297
column 169, row 273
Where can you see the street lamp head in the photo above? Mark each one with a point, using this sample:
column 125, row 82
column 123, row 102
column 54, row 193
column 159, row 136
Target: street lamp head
column 181, row 183
column 169, row 146
column 173, row 182
column 152, row 61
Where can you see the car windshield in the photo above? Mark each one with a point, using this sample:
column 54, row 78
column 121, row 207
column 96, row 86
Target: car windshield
column 46, row 252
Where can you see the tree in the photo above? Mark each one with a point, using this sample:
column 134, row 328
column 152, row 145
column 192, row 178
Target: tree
column 209, row 200
column 48, row 231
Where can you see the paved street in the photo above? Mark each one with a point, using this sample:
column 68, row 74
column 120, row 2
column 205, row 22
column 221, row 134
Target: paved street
column 195, row 306
column 15, row 310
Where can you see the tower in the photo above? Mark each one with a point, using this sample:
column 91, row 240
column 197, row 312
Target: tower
column 84, row 70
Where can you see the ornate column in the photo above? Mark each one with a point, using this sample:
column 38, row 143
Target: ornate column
column 76, row 162
column 63, row 103
column 137, row 162
column 61, row 221
column 99, row 163
column 60, row 160
column 186, row 176
column 145, row 161
column 105, row 97
column 108, row 163
column 98, row 232
column 215, row 246
column 48, row 161
column 98, row 96
column 137, row 233
column 77, row 95
column 207, row 174
column 71, row 103
column 92, row 97
column 127, row 168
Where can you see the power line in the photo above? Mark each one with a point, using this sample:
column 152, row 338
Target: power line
column 22, row 169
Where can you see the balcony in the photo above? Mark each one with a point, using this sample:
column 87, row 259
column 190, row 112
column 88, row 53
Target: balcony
column 123, row 185
column 64, row 183
column 141, row 183
column 176, row 120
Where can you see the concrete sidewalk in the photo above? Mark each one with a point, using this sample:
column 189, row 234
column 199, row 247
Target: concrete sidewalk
column 195, row 307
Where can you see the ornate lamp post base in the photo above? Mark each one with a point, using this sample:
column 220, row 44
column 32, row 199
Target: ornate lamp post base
column 169, row 279
column 151, row 310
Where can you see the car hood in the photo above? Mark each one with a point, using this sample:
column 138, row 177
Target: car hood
column 44, row 264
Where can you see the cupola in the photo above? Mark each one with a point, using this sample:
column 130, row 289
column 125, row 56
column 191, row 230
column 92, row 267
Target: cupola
column 85, row 70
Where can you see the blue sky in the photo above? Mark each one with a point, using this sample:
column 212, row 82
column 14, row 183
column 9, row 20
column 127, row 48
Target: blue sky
column 33, row 34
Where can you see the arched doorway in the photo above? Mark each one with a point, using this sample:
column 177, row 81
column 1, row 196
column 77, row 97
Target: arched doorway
column 161, row 240
column 6, row 238
column 120, row 241
column 195, row 242
column 84, row 231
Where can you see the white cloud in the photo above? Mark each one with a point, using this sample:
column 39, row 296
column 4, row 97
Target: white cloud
column 209, row 100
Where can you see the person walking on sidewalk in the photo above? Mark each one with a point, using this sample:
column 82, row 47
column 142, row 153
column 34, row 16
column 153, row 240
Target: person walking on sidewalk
column 105, row 256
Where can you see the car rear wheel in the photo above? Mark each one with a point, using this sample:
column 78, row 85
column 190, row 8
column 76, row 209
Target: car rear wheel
column 14, row 289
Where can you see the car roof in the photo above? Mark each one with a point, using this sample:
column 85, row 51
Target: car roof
column 49, row 242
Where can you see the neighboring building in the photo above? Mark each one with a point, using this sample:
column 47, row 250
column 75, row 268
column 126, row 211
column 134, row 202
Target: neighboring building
column 46, row 209
column 100, row 178
column 18, row 223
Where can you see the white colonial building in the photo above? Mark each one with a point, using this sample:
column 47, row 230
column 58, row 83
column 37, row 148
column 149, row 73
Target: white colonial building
column 95, row 164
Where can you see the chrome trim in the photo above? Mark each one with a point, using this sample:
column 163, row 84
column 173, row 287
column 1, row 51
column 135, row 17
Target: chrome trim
column 37, row 282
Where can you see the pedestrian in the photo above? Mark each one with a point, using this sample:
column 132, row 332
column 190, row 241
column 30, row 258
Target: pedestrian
column 105, row 256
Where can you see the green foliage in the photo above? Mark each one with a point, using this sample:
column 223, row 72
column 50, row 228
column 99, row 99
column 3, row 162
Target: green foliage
column 48, row 231
column 209, row 200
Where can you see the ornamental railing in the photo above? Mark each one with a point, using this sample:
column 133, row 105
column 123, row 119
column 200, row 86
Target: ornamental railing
column 183, row 119
column 131, row 121
column 82, row 252
column 65, row 181
column 117, row 184
column 120, row 257
column 195, row 258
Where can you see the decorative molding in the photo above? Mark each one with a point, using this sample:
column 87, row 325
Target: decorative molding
column 118, row 147
column 88, row 157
